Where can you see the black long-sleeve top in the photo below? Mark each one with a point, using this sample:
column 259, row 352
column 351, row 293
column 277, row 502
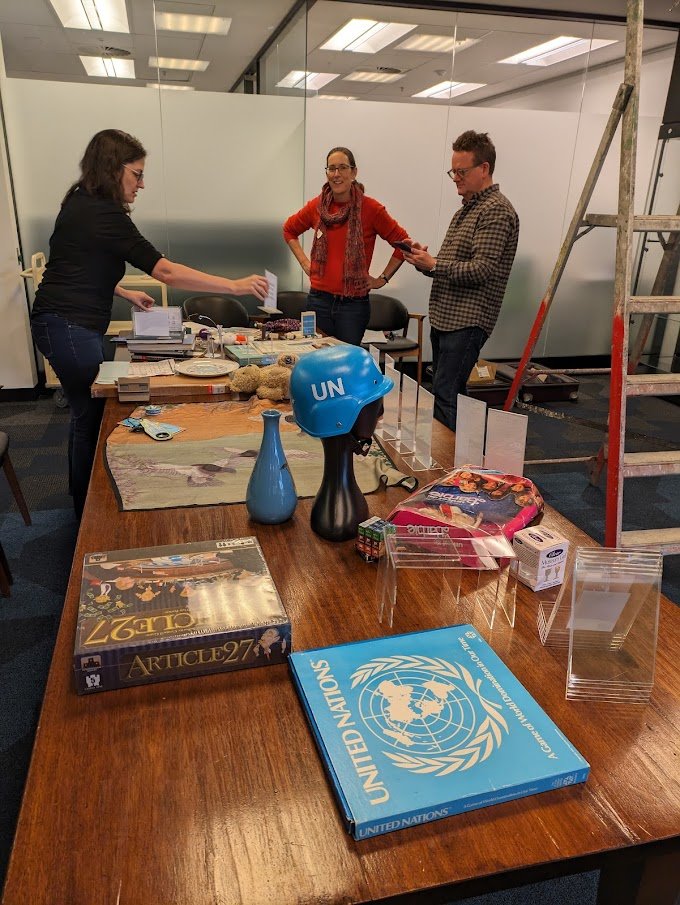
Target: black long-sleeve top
column 93, row 239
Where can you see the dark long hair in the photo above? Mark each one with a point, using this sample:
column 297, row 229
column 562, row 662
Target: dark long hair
column 352, row 162
column 103, row 160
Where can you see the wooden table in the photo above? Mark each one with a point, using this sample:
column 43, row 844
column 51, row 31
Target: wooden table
column 210, row 790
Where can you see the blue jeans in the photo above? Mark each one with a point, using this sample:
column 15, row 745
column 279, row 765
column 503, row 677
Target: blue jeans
column 340, row 316
column 75, row 354
column 454, row 353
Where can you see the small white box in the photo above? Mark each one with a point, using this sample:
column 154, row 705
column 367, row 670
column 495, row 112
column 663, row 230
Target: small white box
column 541, row 557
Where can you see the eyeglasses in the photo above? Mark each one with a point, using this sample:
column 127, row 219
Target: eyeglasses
column 342, row 168
column 461, row 172
column 138, row 174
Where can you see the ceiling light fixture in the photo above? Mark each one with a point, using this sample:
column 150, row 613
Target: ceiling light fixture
column 366, row 35
column 435, row 43
column 166, row 87
column 447, row 90
column 555, row 51
column 359, row 76
column 202, row 25
column 108, row 67
column 98, row 15
column 303, row 80
column 173, row 63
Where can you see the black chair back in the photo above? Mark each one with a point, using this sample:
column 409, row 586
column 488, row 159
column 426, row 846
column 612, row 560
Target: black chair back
column 292, row 303
column 224, row 310
column 387, row 313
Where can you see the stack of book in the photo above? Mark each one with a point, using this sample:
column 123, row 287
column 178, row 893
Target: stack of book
column 154, row 348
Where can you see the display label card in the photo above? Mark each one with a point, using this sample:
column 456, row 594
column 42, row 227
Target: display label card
column 269, row 305
column 506, row 437
column 598, row 611
column 470, row 430
column 156, row 321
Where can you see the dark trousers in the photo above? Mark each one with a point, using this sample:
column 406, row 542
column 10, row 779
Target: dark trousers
column 340, row 316
column 75, row 354
column 454, row 353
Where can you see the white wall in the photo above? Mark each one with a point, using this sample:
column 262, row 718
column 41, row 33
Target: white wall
column 223, row 172
column 402, row 154
column 17, row 363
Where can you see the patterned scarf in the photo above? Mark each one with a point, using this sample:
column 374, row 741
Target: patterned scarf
column 355, row 275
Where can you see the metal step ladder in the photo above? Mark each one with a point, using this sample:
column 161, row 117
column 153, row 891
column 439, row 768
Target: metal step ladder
column 621, row 465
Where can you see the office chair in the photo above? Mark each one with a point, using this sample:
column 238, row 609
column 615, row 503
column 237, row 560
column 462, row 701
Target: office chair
column 391, row 315
column 292, row 303
column 222, row 309
column 5, row 462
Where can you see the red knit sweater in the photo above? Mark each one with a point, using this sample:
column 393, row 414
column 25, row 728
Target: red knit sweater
column 375, row 221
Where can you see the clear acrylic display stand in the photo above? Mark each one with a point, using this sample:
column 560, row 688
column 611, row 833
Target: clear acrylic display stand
column 422, row 457
column 613, row 625
column 375, row 354
column 468, row 575
column 554, row 610
column 388, row 427
column 408, row 416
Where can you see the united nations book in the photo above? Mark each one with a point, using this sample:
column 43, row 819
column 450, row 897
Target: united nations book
column 413, row 728
column 169, row 612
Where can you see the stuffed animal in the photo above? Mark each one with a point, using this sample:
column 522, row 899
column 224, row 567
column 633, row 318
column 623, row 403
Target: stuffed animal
column 270, row 382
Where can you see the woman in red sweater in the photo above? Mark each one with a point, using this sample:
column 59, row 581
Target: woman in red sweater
column 345, row 224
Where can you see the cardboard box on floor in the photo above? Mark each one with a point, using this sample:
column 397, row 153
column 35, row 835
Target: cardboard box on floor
column 483, row 373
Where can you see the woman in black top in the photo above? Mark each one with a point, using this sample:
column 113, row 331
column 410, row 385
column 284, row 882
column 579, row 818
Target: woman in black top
column 93, row 239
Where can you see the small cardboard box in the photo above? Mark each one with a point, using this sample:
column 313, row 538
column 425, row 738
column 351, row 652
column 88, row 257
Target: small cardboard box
column 483, row 373
column 541, row 557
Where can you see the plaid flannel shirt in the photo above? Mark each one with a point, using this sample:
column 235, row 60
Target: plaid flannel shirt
column 474, row 262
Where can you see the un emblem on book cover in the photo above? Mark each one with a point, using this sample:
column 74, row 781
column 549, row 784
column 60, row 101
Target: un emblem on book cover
column 431, row 713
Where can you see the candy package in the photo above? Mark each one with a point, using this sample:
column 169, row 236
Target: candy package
column 471, row 501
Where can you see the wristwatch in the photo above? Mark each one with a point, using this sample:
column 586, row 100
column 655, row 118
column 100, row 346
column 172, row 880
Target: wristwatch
column 384, row 277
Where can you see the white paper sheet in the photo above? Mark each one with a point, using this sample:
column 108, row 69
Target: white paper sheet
column 110, row 371
column 157, row 321
column 373, row 336
column 470, row 430
column 506, row 437
column 269, row 304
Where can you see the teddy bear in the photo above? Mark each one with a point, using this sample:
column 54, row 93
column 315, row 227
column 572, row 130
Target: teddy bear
column 270, row 382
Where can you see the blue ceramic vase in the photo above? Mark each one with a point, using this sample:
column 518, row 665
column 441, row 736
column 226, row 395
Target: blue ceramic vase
column 271, row 497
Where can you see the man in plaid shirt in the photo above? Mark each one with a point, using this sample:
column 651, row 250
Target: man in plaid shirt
column 470, row 273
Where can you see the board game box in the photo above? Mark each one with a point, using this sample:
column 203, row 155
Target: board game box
column 413, row 728
column 170, row 612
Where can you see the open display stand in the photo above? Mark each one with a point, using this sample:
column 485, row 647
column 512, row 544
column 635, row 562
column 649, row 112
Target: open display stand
column 470, row 576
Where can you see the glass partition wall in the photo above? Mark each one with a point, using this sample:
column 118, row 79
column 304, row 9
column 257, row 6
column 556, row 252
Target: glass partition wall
column 397, row 85
column 238, row 108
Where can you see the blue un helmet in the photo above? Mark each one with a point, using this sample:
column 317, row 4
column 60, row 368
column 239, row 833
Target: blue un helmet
column 329, row 387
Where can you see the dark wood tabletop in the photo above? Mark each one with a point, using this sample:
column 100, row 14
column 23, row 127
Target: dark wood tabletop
column 210, row 789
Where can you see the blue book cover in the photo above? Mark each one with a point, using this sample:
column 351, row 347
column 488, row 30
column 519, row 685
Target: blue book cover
column 413, row 728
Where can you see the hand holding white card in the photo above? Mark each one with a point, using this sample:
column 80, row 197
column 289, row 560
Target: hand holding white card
column 269, row 304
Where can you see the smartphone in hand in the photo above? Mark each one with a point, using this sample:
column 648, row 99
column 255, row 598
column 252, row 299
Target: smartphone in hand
column 403, row 246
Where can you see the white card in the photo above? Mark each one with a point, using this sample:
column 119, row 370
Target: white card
column 269, row 304
column 506, row 437
column 157, row 321
column 470, row 428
